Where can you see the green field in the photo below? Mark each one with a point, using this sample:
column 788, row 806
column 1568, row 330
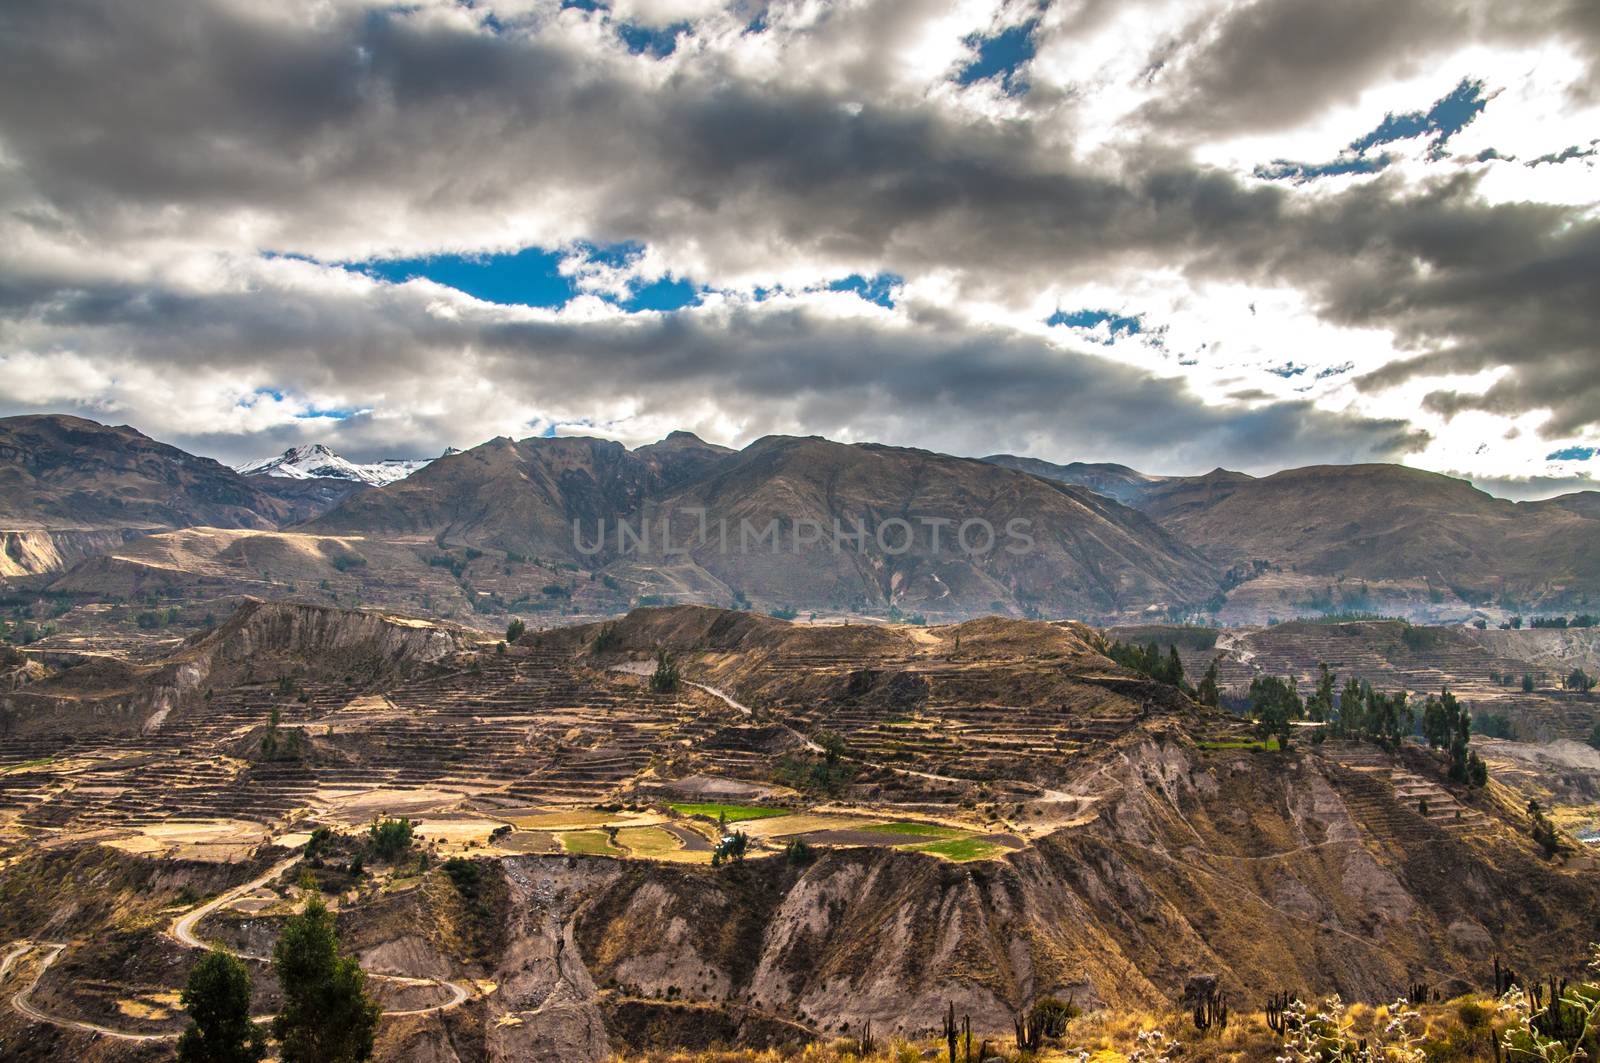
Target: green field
column 28, row 765
column 734, row 813
column 923, row 830
column 589, row 843
column 960, row 849
column 1270, row 745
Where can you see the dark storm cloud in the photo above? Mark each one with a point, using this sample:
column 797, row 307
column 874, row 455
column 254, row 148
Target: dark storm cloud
column 933, row 383
column 127, row 129
column 1272, row 63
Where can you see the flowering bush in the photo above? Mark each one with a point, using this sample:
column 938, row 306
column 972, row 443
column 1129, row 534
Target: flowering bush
column 1327, row 1035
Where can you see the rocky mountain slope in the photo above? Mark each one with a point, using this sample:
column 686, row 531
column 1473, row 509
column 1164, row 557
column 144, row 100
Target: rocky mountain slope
column 1382, row 523
column 799, row 522
column 68, row 473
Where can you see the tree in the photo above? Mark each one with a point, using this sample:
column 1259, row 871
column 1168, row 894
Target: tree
column 1173, row 673
column 1207, row 693
column 1580, row 681
column 1273, row 703
column 515, row 630
column 1436, row 727
column 327, row 1016
column 832, row 745
column 1319, row 706
column 217, row 998
column 1352, row 705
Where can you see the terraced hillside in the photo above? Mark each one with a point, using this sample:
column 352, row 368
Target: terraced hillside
column 983, row 813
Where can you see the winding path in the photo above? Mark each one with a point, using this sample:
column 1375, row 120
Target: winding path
column 182, row 931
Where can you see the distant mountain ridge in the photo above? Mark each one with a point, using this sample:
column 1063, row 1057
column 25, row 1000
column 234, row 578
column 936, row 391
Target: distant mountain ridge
column 1104, row 541
column 316, row 461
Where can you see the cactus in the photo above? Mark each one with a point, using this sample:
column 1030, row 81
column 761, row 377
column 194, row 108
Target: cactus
column 865, row 1046
column 1419, row 993
column 950, row 1031
column 1211, row 1011
column 1277, row 1009
column 1504, row 978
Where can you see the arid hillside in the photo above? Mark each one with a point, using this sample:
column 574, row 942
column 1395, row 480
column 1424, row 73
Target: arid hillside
column 982, row 814
column 1363, row 537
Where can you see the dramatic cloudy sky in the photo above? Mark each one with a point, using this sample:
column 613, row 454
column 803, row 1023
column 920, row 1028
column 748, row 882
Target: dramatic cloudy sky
column 1175, row 234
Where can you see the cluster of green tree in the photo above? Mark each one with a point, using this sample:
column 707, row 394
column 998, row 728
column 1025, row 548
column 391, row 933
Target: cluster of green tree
column 897, row 617
column 456, row 565
column 1507, row 679
column 785, row 612
column 731, row 848
column 1544, row 832
column 514, row 631
column 665, row 679
column 279, row 744
column 326, row 1016
column 1273, row 703
column 25, row 634
column 607, row 639
column 1581, row 620
column 1494, row 725
column 150, row 619
column 391, row 838
column 813, row 773
column 1579, row 680
column 1447, row 724
column 1148, row 660
column 347, row 562
column 1373, row 715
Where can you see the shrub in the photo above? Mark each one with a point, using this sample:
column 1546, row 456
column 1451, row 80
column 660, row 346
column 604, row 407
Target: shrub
column 391, row 837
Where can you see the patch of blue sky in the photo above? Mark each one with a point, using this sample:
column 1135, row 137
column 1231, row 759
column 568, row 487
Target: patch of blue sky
column 1447, row 117
column 1300, row 172
column 530, row 277
column 343, row 413
column 533, row 277
column 879, row 288
column 1443, row 120
column 1001, row 56
column 1335, row 370
column 656, row 41
column 664, row 294
column 1573, row 454
column 1118, row 326
column 1288, row 370
column 1558, row 157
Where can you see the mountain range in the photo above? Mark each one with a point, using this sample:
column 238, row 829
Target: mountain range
column 810, row 524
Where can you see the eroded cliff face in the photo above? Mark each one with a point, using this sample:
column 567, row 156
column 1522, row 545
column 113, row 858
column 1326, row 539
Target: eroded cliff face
column 261, row 640
column 38, row 551
column 1271, row 871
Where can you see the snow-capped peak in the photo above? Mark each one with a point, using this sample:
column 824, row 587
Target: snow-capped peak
column 315, row 460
